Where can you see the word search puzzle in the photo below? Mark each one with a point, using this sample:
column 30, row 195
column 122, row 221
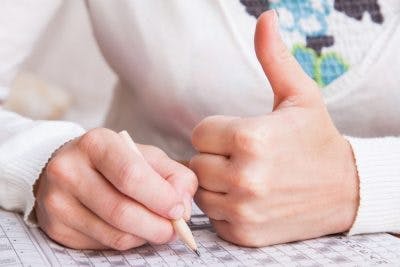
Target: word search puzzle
column 23, row 246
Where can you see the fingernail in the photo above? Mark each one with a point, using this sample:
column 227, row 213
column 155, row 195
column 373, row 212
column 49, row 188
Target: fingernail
column 275, row 20
column 177, row 212
column 276, row 13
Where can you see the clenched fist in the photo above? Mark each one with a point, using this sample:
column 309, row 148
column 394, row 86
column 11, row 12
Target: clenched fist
column 280, row 177
column 96, row 193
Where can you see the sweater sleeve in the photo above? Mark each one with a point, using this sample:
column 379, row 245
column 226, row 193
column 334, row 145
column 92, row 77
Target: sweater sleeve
column 25, row 145
column 378, row 166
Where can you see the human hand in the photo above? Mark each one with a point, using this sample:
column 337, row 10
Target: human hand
column 281, row 177
column 95, row 193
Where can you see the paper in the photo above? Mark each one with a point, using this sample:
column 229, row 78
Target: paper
column 21, row 246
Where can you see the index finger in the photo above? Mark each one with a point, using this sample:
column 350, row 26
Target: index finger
column 130, row 173
column 213, row 135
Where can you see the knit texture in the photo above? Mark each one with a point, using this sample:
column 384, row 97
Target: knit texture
column 23, row 157
column 326, row 37
column 378, row 165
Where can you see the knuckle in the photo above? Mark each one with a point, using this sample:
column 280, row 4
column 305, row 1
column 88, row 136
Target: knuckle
column 238, row 235
column 59, row 169
column 119, row 241
column 245, row 215
column 118, row 213
column 201, row 127
column 130, row 173
column 246, row 141
column 194, row 183
column 57, row 207
column 55, row 233
column 241, row 213
column 93, row 140
column 191, row 180
column 247, row 182
column 242, row 177
column 53, row 203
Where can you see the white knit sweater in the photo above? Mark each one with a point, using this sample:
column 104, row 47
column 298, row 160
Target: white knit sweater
column 179, row 61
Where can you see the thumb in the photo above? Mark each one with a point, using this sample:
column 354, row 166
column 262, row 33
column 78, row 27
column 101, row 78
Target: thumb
column 291, row 85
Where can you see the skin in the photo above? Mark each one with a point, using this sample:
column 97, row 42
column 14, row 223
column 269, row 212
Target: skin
column 95, row 194
column 285, row 176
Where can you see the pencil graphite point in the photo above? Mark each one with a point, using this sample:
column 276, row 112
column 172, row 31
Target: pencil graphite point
column 197, row 252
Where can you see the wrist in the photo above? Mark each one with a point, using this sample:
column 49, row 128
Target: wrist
column 350, row 187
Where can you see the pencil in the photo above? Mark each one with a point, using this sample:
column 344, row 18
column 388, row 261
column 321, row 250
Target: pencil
column 180, row 226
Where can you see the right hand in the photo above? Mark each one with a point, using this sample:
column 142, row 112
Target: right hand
column 95, row 193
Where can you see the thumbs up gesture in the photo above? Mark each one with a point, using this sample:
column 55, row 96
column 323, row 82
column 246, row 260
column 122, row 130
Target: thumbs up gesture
column 280, row 177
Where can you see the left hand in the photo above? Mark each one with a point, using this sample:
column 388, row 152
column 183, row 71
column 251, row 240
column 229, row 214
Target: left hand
column 281, row 177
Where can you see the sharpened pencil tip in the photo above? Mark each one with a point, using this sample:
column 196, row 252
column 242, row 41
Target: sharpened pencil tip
column 197, row 252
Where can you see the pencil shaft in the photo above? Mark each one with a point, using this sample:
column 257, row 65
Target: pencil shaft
column 185, row 234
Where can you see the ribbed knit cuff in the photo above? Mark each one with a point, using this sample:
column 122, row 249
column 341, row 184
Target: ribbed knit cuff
column 23, row 158
column 378, row 165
